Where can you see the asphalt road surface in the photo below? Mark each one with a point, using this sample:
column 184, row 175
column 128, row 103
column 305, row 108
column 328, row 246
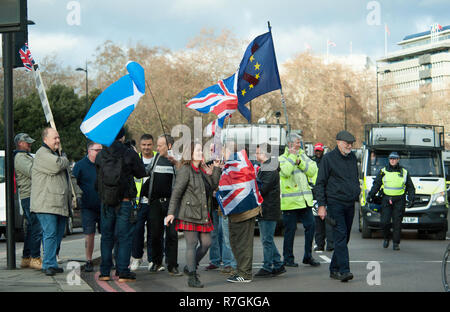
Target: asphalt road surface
column 415, row 268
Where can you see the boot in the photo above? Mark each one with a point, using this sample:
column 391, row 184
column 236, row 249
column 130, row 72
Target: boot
column 36, row 263
column 194, row 281
column 25, row 262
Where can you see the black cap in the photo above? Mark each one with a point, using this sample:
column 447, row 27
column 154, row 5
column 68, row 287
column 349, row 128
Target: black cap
column 345, row 136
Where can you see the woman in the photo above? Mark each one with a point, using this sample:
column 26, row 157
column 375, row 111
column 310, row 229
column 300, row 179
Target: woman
column 192, row 188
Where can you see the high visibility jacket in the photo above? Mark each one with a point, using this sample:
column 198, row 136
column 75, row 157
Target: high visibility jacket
column 296, row 192
column 394, row 182
column 140, row 182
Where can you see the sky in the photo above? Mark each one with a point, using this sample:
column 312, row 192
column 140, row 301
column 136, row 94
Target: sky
column 71, row 30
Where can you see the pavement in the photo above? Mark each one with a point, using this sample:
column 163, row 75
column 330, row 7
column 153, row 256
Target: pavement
column 31, row 280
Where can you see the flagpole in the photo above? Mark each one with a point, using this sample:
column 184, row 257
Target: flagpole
column 283, row 102
column 157, row 111
column 385, row 40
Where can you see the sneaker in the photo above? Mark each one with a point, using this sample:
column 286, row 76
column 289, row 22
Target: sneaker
column 89, row 267
column 345, row 277
column 36, row 263
column 334, row 275
column 135, row 263
column 311, row 261
column 104, row 278
column 127, row 277
column 317, row 248
column 238, row 279
column 396, row 247
column 59, row 260
column 211, row 267
column 193, row 280
column 281, row 270
column 291, row 264
column 161, row 268
column 25, row 262
column 155, row 268
column 174, row 272
column 263, row 273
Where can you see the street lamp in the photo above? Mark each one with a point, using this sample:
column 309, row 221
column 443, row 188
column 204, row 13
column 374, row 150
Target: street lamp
column 345, row 109
column 87, row 92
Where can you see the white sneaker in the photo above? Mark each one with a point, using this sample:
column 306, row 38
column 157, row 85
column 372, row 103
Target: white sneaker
column 150, row 266
column 135, row 263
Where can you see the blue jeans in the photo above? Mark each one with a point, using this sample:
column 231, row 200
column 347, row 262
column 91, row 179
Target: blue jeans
column 215, row 251
column 33, row 233
column 143, row 220
column 227, row 255
column 272, row 258
column 53, row 228
column 118, row 223
column 290, row 219
column 343, row 214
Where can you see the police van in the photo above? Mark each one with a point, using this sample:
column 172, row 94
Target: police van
column 421, row 153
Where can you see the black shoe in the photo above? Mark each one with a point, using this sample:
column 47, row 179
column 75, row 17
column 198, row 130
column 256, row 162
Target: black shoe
column 334, row 275
column 193, row 280
column 89, row 267
column 155, row 268
column 330, row 249
column 291, row 264
column 386, row 243
column 311, row 261
column 52, row 271
column 281, row 270
column 127, row 277
column 174, row 272
column 345, row 277
column 396, row 247
column 317, row 248
column 263, row 273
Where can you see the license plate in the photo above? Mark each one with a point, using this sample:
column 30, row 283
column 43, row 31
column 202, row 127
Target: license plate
column 410, row 220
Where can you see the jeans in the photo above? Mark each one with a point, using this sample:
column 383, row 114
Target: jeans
column 290, row 219
column 53, row 228
column 116, row 222
column 227, row 255
column 343, row 214
column 143, row 220
column 215, row 251
column 33, row 233
column 272, row 258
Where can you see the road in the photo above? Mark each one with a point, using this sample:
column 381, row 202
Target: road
column 415, row 268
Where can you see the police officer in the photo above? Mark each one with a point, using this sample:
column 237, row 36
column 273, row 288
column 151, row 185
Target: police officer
column 395, row 181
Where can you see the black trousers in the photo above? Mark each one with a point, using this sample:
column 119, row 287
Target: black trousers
column 392, row 212
column 158, row 211
column 323, row 231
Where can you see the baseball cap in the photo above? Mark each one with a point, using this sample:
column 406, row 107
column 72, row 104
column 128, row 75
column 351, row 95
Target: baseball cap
column 23, row 137
column 318, row 147
column 394, row 155
column 345, row 136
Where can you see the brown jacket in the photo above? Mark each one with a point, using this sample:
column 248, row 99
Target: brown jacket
column 188, row 201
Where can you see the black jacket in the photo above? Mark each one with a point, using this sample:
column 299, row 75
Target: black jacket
column 269, row 187
column 378, row 182
column 133, row 167
column 337, row 180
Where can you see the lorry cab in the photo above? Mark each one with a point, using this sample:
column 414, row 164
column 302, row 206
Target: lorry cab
column 421, row 153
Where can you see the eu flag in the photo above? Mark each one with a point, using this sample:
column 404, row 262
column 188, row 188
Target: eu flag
column 258, row 72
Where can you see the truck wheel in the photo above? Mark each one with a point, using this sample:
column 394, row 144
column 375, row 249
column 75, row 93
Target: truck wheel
column 366, row 232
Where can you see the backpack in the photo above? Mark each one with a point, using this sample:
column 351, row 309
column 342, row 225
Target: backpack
column 110, row 176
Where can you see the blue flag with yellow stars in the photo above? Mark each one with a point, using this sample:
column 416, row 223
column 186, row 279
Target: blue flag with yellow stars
column 258, row 72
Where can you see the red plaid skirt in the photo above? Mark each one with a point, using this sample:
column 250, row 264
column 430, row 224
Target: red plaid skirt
column 181, row 225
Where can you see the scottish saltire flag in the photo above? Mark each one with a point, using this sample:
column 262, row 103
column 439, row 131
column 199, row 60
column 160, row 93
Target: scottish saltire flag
column 219, row 99
column 113, row 106
column 238, row 189
column 25, row 56
column 258, row 72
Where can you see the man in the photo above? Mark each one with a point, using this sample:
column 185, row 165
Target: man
column 118, row 205
column 323, row 229
column 158, row 189
column 51, row 196
column 23, row 162
column 396, row 182
column 86, row 175
column 337, row 189
column 269, row 186
column 297, row 199
column 143, row 218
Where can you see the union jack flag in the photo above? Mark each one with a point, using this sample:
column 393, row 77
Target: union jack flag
column 238, row 189
column 26, row 57
column 219, row 99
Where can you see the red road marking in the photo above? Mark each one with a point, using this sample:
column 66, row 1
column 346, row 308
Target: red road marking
column 123, row 286
column 103, row 284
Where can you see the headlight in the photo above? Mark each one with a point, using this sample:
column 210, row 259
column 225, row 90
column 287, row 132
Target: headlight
column 438, row 199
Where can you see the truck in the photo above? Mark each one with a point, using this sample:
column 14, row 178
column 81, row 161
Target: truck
column 421, row 150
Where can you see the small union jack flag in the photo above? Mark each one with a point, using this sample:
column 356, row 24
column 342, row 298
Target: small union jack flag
column 238, row 189
column 26, row 57
column 219, row 99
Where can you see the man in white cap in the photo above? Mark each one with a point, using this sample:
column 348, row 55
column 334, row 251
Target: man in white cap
column 23, row 161
column 396, row 182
